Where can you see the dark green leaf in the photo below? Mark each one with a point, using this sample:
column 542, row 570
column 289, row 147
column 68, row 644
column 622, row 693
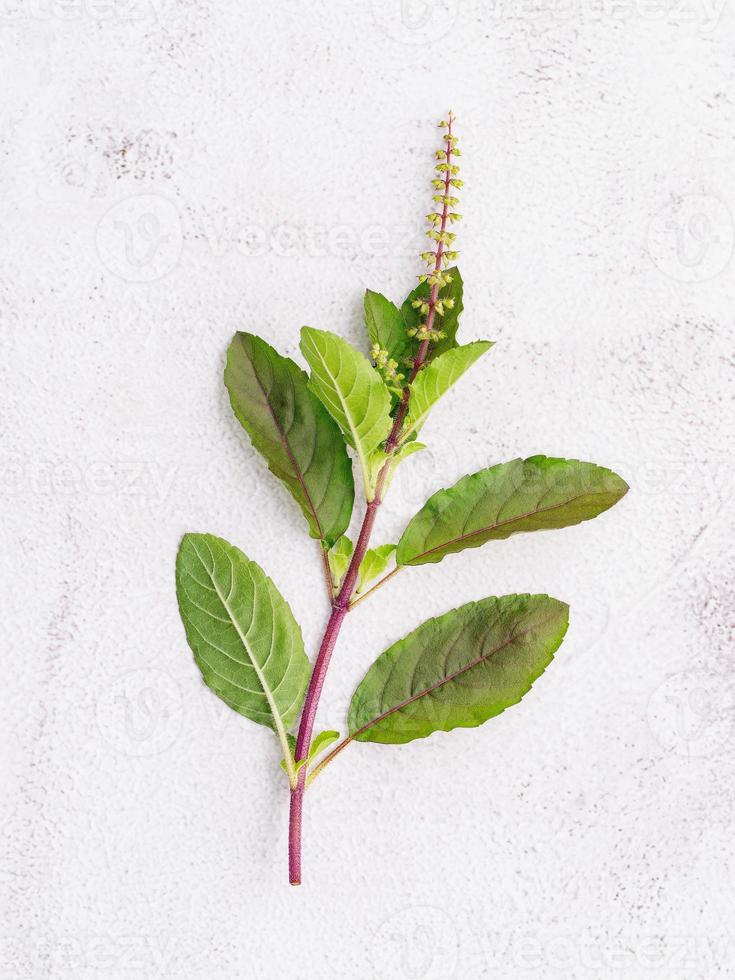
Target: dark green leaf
column 458, row 670
column 291, row 428
column 449, row 323
column 385, row 326
column 538, row 493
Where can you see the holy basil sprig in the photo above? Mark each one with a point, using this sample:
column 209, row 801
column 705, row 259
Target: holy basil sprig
column 456, row 670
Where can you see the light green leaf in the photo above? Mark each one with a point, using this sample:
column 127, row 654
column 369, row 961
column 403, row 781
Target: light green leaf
column 291, row 428
column 385, row 326
column 449, row 323
column 378, row 457
column 322, row 741
column 437, row 378
column 373, row 564
column 242, row 632
column 458, row 670
column 339, row 556
column 352, row 391
column 538, row 493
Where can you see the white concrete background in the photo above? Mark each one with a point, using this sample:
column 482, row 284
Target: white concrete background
column 173, row 170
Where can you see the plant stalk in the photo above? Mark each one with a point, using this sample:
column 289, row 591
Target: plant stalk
column 386, row 578
column 341, row 603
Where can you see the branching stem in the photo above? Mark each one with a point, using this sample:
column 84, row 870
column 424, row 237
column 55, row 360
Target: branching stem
column 342, row 603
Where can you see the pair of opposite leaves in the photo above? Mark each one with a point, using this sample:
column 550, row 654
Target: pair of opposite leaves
column 456, row 670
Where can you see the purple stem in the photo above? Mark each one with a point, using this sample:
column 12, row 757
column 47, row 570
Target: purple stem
column 340, row 608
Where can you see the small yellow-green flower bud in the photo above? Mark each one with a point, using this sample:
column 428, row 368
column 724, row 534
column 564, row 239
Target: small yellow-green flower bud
column 438, row 184
column 449, row 303
column 456, row 183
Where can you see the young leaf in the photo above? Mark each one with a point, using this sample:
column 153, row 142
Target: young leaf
column 242, row 632
column 352, row 391
column 321, row 741
column 448, row 323
column 339, row 559
column 385, row 326
column 291, row 428
column 378, row 457
column 459, row 669
column 437, row 378
column 534, row 494
column 373, row 564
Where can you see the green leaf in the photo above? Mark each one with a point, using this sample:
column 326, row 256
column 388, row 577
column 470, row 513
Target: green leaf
column 437, row 378
column 538, row 493
column 291, row 428
column 322, row 741
column 379, row 456
column 458, row 670
column 242, row 632
column 385, row 326
column 373, row 564
column 339, row 556
column 319, row 743
column 449, row 323
column 352, row 391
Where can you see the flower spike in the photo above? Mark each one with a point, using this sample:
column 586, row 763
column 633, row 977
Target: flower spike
column 437, row 279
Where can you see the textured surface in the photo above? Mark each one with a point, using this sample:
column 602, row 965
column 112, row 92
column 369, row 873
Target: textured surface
column 174, row 171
